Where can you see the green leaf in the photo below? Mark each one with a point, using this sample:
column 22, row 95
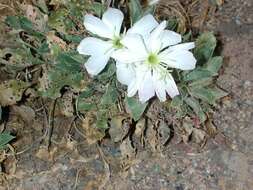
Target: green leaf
column 13, row 22
column 209, row 95
column 42, row 6
column 98, row 8
column 60, row 21
column 87, row 93
column 186, row 37
column 194, row 104
column 107, row 73
column 26, row 24
column 60, row 79
column 198, row 74
column 85, row 102
column 5, row 138
column 205, row 46
column 203, row 94
column 214, row 65
column 176, row 102
column 218, row 93
column 70, row 62
column 110, row 96
column 67, row 72
column 72, row 38
column 135, row 107
column 102, row 120
column 135, row 11
column 22, row 23
column 149, row 10
column 172, row 24
column 201, row 83
column 43, row 49
column 83, row 106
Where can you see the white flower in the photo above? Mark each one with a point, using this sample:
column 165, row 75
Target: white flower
column 109, row 28
column 145, row 62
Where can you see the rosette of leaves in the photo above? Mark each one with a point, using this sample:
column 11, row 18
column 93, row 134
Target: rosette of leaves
column 199, row 93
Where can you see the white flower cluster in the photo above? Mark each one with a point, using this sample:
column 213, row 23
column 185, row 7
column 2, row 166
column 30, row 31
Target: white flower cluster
column 144, row 55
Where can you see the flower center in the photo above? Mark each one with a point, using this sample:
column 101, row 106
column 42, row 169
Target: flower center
column 153, row 59
column 116, row 43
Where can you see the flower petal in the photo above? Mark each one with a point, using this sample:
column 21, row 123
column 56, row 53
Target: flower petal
column 135, row 43
column 93, row 46
column 144, row 26
column 183, row 46
column 146, row 90
column 96, row 26
column 180, row 59
column 170, row 86
column 127, row 56
column 132, row 88
column 170, row 38
column 113, row 18
column 155, row 42
column 96, row 64
column 159, row 86
column 125, row 73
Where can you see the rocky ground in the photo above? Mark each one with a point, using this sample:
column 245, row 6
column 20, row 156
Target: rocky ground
column 225, row 162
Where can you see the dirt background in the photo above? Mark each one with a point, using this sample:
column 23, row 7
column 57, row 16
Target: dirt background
column 225, row 162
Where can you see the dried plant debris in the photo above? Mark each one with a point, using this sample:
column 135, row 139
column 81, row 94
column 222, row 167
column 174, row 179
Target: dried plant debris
column 65, row 104
column 11, row 92
column 189, row 14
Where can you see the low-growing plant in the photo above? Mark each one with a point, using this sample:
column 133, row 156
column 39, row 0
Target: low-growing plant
column 45, row 58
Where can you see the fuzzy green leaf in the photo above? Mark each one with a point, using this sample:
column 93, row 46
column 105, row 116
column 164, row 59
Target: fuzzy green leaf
column 67, row 72
column 198, row 74
column 13, row 22
column 83, row 106
column 22, row 23
column 98, row 8
column 218, row 93
column 176, row 102
column 135, row 11
column 201, row 83
column 87, row 93
column 135, row 107
column 149, row 10
column 110, row 96
column 205, row 46
column 60, row 21
column 214, row 65
column 203, row 94
column 70, row 62
column 107, row 73
column 209, row 95
column 60, row 79
column 102, row 120
column 194, row 104
column 5, row 138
